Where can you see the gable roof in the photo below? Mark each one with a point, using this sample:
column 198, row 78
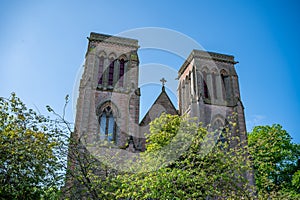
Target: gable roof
column 162, row 104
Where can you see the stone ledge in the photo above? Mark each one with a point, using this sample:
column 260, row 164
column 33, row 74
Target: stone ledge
column 113, row 39
column 207, row 56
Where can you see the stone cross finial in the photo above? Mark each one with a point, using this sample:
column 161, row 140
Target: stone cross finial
column 163, row 80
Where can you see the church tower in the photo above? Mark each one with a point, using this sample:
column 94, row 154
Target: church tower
column 209, row 90
column 109, row 96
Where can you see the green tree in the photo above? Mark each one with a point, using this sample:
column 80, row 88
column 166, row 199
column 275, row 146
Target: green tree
column 183, row 161
column 86, row 176
column 206, row 168
column 276, row 162
column 29, row 142
column 296, row 181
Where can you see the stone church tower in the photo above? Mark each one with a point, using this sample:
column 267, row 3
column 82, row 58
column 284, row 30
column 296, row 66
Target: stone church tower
column 209, row 90
column 109, row 96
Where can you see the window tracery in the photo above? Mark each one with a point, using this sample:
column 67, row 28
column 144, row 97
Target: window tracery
column 111, row 71
column 108, row 126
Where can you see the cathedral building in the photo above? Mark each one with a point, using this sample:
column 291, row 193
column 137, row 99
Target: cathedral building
column 107, row 114
column 108, row 105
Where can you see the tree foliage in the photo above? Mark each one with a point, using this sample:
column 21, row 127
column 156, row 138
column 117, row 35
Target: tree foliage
column 29, row 165
column 276, row 162
column 182, row 161
column 86, row 176
column 220, row 172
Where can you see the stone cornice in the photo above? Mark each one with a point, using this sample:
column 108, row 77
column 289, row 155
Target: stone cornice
column 207, row 56
column 97, row 37
column 214, row 56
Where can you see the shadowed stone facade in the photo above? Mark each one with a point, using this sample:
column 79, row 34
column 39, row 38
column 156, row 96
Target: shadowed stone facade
column 110, row 81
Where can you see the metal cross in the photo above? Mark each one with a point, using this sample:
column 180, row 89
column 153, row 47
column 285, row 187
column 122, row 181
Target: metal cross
column 163, row 80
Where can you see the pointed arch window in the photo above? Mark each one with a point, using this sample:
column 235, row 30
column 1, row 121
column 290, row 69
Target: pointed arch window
column 111, row 72
column 194, row 80
column 108, row 126
column 226, row 85
column 214, row 82
column 121, row 72
column 205, row 87
column 100, row 72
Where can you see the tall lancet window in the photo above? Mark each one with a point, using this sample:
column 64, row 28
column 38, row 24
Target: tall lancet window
column 111, row 72
column 205, row 87
column 108, row 128
column 194, row 81
column 226, row 85
column 214, row 82
column 100, row 72
column 121, row 73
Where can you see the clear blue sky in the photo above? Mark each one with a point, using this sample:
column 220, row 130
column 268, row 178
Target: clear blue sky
column 43, row 43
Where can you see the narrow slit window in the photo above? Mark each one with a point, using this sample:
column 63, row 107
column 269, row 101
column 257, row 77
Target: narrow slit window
column 100, row 72
column 226, row 86
column 121, row 74
column 111, row 73
column 205, row 87
column 214, row 85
